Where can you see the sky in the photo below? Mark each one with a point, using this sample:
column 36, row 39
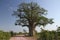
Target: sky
column 8, row 6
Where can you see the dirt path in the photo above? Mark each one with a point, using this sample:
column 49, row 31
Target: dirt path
column 22, row 38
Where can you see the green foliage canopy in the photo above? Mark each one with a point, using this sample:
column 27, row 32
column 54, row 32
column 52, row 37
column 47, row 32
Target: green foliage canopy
column 31, row 15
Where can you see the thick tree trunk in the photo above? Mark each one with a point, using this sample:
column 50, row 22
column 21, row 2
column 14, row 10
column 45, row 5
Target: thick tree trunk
column 31, row 31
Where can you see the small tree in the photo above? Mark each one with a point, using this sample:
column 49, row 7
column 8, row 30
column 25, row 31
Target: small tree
column 31, row 15
column 58, row 29
column 11, row 32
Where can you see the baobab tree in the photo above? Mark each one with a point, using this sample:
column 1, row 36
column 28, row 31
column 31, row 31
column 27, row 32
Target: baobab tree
column 31, row 15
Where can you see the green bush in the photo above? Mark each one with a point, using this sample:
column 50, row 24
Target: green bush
column 4, row 35
column 47, row 35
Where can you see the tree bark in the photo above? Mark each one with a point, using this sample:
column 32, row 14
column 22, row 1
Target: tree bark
column 31, row 28
column 30, row 31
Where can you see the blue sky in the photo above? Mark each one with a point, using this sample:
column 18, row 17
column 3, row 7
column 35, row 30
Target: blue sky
column 8, row 6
